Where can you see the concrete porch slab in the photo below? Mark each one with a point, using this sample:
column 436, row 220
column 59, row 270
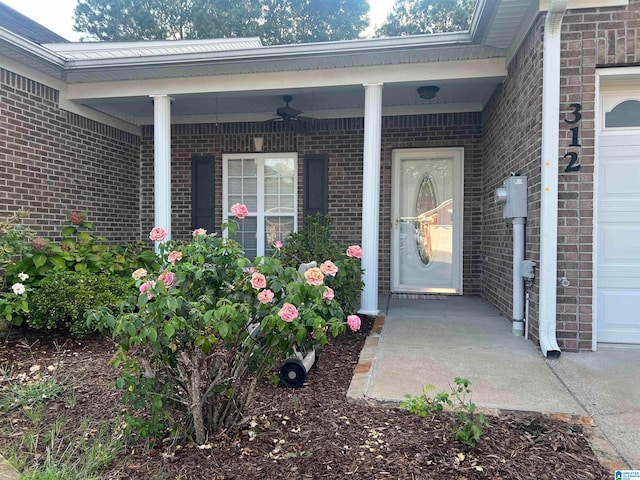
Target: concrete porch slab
column 430, row 342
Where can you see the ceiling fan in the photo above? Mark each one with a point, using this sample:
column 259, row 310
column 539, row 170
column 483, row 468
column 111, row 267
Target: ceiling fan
column 292, row 116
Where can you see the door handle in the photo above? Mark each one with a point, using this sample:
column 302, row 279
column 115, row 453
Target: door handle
column 396, row 222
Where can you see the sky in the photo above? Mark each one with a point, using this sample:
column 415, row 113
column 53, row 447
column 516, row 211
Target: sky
column 57, row 15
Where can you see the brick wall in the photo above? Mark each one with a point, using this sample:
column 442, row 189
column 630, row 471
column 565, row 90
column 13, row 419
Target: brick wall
column 53, row 161
column 342, row 140
column 512, row 143
column 590, row 39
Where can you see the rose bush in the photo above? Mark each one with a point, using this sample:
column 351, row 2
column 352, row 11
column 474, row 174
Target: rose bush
column 193, row 349
column 340, row 265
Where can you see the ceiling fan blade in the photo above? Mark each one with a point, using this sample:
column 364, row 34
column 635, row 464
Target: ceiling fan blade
column 288, row 112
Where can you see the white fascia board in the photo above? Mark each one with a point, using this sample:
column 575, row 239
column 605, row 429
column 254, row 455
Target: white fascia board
column 436, row 71
column 580, row 4
column 322, row 114
column 320, row 50
column 31, row 48
column 63, row 102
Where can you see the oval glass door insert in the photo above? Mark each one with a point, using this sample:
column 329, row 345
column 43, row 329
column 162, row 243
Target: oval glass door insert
column 426, row 215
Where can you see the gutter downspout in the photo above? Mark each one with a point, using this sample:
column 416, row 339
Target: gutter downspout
column 549, row 179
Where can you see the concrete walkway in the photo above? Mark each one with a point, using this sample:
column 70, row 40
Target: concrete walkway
column 430, row 342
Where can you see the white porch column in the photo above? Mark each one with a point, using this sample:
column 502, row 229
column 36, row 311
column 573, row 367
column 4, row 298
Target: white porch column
column 162, row 162
column 371, row 196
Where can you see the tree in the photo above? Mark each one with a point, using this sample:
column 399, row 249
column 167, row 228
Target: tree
column 413, row 17
column 303, row 21
column 274, row 21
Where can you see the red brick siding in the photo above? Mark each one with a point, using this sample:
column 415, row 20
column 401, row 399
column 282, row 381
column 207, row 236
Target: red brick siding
column 53, row 161
column 590, row 38
column 342, row 140
column 512, row 143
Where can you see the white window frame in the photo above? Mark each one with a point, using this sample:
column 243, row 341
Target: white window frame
column 612, row 92
column 260, row 214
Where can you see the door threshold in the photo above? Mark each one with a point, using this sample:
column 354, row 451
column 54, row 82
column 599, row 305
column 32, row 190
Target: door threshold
column 423, row 296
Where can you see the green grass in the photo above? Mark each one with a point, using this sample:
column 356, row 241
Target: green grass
column 51, row 451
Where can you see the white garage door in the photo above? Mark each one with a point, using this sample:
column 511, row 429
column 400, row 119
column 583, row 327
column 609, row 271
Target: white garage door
column 617, row 253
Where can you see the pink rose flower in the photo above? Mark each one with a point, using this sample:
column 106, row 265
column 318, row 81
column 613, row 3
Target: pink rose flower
column 328, row 293
column 354, row 251
column 265, row 296
column 314, row 276
column 251, row 270
column 258, row 281
column 158, row 234
column 277, row 244
column 146, row 286
column 199, row 231
column 174, row 257
column 167, row 278
column 354, row 322
column 239, row 210
column 329, row 268
column 288, row 312
column 139, row 274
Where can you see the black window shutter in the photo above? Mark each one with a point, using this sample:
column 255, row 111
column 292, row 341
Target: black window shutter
column 203, row 193
column 316, row 184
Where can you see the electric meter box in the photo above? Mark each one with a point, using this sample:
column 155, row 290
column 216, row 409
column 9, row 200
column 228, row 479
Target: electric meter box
column 513, row 197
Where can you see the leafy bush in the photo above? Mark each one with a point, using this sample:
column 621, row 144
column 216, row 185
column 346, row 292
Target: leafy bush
column 470, row 422
column 26, row 261
column 14, row 242
column 200, row 335
column 78, row 251
column 314, row 243
column 63, row 299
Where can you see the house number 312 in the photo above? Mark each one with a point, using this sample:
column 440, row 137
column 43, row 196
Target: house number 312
column 573, row 165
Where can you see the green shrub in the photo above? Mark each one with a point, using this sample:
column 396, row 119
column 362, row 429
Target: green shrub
column 314, row 243
column 79, row 250
column 14, row 242
column 63, row 299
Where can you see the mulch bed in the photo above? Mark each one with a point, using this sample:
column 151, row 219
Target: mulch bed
column 306, row 433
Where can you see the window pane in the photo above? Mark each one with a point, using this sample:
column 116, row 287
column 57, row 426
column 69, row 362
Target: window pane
column 271, row 204
column 235, row 187
column 250, row 186
column 251, row 201
column 276, row 228
column 286, row 203
column 286, row 185
column 626, row 114
column 271, row 186
column 235, row 168
column 246, row 234
column 250, row 168
column 279, row 167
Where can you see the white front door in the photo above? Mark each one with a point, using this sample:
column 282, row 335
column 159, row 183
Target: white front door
column 617, row 256
column 426, row 234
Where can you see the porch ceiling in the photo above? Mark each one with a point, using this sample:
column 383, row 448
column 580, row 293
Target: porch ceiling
column 320, row 102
